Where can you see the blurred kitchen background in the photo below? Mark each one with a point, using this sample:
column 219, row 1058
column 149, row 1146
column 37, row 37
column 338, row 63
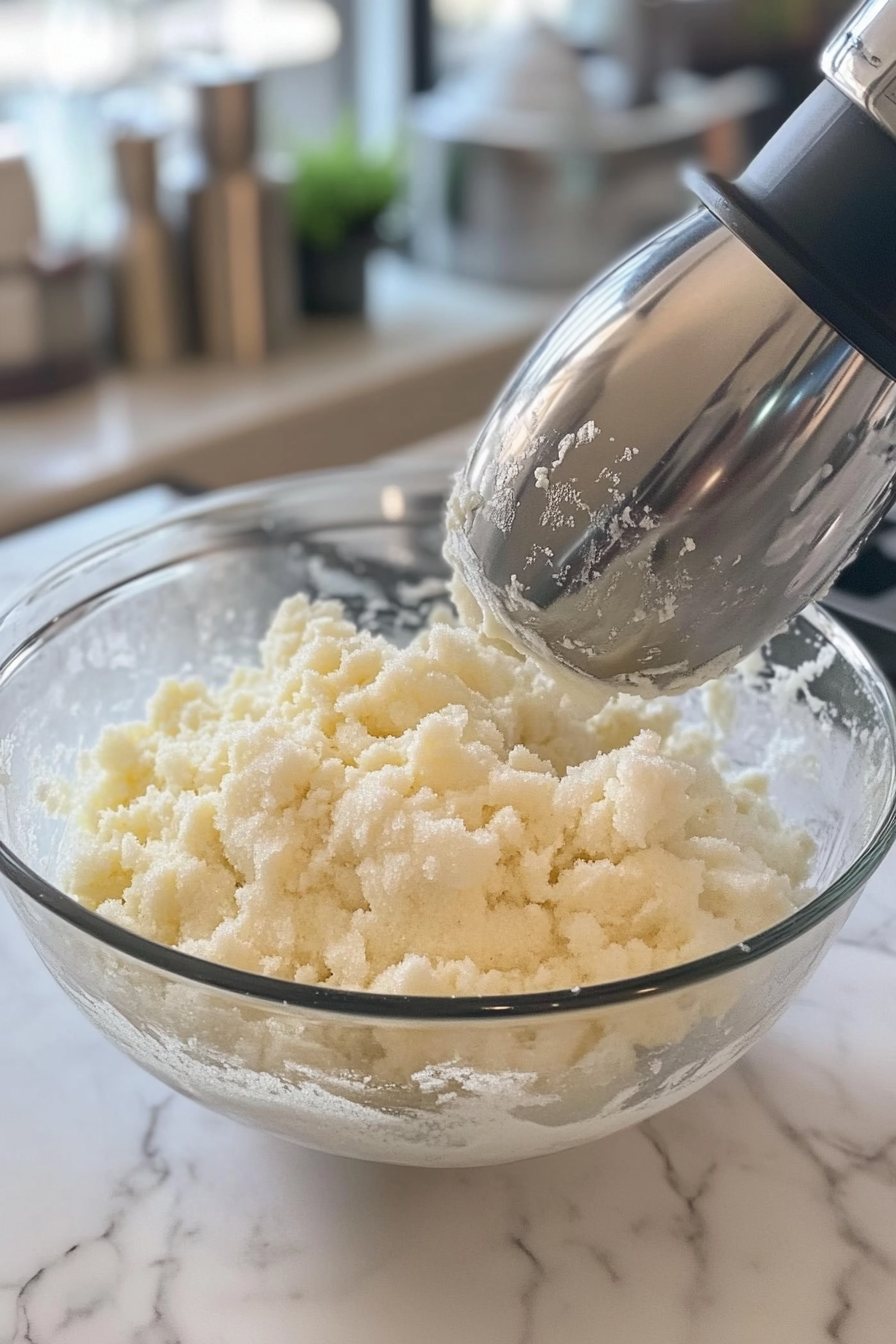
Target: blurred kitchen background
column 246, row 237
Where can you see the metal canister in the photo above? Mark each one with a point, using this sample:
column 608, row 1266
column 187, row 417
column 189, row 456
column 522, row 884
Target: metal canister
column 149, row 291
column 239, row 229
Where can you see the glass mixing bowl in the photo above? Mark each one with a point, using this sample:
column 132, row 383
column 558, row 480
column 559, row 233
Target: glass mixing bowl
column 426, row 1081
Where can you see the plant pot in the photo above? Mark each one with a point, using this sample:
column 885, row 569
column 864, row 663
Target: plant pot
column 333, row 279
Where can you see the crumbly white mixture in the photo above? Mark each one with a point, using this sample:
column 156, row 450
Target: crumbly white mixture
column 440, row 819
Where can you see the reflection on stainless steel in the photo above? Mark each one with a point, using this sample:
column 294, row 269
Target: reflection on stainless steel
column 861, row 61
column 686, row 460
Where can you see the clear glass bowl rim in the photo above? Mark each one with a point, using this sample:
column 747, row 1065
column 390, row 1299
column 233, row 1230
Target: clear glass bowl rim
column 410, row 1008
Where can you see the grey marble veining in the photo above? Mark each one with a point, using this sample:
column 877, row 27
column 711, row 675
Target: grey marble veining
column 761, row 1209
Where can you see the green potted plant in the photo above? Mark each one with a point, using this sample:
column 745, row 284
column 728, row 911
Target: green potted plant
column 337, row 194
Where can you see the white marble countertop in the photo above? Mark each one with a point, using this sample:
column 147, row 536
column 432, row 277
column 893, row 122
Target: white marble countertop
column 760, row 1211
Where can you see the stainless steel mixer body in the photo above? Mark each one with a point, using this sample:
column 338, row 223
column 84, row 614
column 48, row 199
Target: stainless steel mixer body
column 706, row 438
column 687, row 459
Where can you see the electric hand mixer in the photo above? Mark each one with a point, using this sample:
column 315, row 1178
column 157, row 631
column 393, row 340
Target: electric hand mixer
column 703, row 441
